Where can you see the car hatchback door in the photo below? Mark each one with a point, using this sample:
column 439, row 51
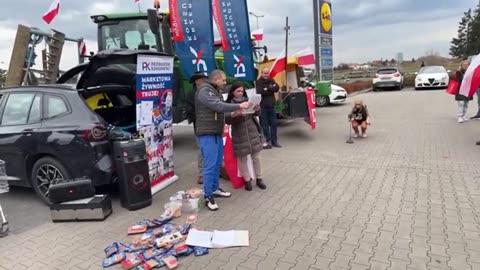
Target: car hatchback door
column 19, row 123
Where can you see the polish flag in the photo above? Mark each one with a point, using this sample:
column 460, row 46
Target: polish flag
column 279, row 65
column 52, row 12
column 82, row 48
column 258, row 34
column 305, row 57
column 471, row 79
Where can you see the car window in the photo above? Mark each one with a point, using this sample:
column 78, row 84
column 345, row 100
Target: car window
column 17, row 109
column 433, row 69
column 386, row 71
column 35, row 114
column 55, row 106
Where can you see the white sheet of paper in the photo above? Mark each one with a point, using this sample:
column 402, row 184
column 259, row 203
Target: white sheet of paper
column 146, row 113
column 199, row 238
column 225, row 239
column 222, row 239
column 255, row 100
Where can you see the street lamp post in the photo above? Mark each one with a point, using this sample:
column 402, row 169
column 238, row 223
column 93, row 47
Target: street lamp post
column 256, row 16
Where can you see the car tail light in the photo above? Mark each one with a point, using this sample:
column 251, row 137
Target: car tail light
column 94, row 132
column 397, row 74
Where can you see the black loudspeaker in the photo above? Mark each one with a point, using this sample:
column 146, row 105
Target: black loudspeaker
column 296, row 102
column 131, row 166
column 70, row 191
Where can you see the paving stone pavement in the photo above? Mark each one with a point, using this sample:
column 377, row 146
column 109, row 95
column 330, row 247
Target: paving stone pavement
column 407, row 197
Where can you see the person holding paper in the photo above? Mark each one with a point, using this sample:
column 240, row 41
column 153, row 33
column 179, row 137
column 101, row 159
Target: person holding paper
column 210, row 122
column 267, row 87
column 246, row 137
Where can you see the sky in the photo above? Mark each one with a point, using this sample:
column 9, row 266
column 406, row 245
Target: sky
column 362, row 30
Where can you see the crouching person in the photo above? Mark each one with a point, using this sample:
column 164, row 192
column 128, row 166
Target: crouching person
column 360, row 118
column 246, row 138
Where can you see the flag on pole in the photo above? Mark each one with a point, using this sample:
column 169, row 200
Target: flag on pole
column 258, row 34
column 279, row 65
column 52, row 12
column 471, row 79
column 305, row 57
column 82, row 48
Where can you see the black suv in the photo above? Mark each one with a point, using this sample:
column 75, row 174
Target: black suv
column 48, row 134
column 58, row 132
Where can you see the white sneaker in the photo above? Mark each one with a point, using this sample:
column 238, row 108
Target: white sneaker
column 211, row 204
column 465, row 119
column 355, row 135
column 221, row 193
column 364, row 135
column 461, row 120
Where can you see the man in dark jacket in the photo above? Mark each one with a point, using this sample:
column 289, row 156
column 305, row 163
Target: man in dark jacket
column 209, row 125
column 267, row 87
column 197, row 79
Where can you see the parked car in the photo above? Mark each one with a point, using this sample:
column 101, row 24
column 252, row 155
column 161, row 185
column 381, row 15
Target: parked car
column 431, row 77
column 53, row 133
column 48, row 135
column 388, row 77
column 337, row 94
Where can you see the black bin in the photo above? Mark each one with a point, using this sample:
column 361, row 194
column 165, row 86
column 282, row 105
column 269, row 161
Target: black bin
column 132, row 169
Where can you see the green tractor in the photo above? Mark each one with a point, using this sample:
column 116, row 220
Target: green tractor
column 151, row 31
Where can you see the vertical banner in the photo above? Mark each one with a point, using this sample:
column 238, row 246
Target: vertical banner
column 311, row 118
column 323, row 38
column 231, row 18
column 154, row 83
column 192, row 32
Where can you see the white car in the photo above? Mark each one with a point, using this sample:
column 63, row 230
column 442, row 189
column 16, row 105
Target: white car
column 337, row 95
column 388, row 77
column 431, row 77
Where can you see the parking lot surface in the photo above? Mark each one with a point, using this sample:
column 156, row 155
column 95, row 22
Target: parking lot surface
column 406, row 197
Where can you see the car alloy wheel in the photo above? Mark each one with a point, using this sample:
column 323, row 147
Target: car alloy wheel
column 45, row 172
column 321, row 101
column 46, row 175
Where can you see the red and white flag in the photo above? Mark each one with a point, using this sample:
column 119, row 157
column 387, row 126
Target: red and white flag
column 305, row 57
column 82, row 48
column 279, row 65
column 258, row 34
column 471, row 79
column 52, row 12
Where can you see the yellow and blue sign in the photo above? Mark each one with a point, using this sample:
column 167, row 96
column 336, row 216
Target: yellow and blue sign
column 326, row 17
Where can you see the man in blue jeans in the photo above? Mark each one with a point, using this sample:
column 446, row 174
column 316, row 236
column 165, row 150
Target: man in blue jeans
column 267, row 87
column 209, row 125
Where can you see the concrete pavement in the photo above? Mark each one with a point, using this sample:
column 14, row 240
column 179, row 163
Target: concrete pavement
column 407, row 197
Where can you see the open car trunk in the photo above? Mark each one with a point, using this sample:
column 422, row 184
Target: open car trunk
column 108, row 86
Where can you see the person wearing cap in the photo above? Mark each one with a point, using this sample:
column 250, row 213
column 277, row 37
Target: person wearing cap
column 197, row 79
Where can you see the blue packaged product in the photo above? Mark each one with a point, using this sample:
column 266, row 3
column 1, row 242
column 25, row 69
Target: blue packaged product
column 117, row 258
column 186, row 229
column 111, row 249
column 200, row 251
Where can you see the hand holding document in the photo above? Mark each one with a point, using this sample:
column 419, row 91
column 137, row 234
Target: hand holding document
column 255, row 100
